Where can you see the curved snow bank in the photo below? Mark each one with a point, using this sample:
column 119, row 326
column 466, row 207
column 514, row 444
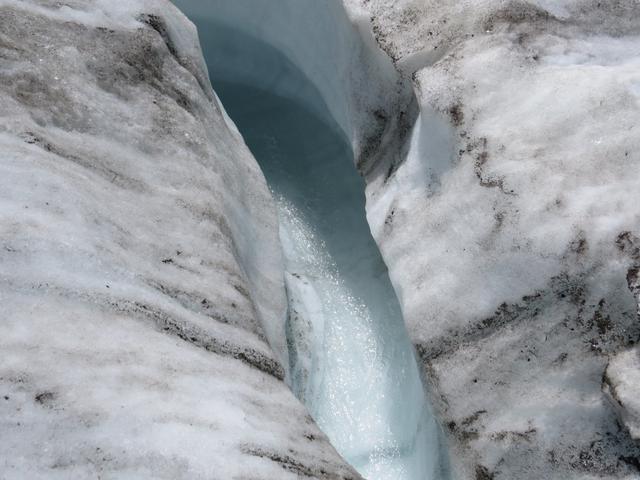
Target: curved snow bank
column 141, row 269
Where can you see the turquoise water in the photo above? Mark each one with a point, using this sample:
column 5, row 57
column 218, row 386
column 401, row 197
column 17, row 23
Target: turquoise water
column 351, row 361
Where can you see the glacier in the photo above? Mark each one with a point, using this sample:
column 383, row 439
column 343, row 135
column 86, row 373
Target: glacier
column 143, row 282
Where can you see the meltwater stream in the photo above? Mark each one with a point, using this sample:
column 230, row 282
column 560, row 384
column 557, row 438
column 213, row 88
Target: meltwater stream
column 351, row 360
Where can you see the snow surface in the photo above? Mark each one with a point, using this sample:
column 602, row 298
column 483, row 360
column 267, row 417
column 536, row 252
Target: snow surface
column 136, row 308
column 506, row 252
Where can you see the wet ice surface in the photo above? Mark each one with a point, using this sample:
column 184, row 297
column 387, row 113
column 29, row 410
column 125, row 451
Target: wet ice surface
column 352, row 362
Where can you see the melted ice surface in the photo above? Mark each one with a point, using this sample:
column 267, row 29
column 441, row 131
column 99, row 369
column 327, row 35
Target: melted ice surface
column 351, row 360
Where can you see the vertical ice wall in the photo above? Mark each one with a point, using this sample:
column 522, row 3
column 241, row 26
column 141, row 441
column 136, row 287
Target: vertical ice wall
column 353, row 82
column 132, row 343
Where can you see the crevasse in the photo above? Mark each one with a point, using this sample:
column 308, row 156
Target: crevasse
column 351, row 361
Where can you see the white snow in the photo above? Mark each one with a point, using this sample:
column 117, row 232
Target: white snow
column 508, row 268
column 135, row 305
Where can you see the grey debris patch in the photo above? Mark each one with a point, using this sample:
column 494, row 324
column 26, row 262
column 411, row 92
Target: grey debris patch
column 94, row 165
column 291, row 464
column 201, row 304
column 46, row 398
column 158, row 24
column 483, row 473
column 516, row 13
column 195, row 335
column 479, row 151
column 387, row 141
column 603, row 328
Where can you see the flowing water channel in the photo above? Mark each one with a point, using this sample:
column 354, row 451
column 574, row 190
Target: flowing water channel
column 352, row 363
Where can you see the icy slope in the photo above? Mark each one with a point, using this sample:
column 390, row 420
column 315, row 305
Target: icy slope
column 502, row 228
column 135, row 306
column 351, row 360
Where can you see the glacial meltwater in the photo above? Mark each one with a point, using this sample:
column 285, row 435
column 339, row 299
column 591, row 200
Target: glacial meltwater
column 351, row 361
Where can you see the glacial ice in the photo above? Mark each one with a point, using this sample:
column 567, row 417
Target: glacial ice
column 509, row 272
column 507, row 264
column 133, row 341
column 499, row 224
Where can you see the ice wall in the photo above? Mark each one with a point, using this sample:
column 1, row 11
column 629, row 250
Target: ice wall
column 501, row 223
column 506, row 253
column 132, row 339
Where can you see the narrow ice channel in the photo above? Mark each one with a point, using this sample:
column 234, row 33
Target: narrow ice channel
column 352, row 363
